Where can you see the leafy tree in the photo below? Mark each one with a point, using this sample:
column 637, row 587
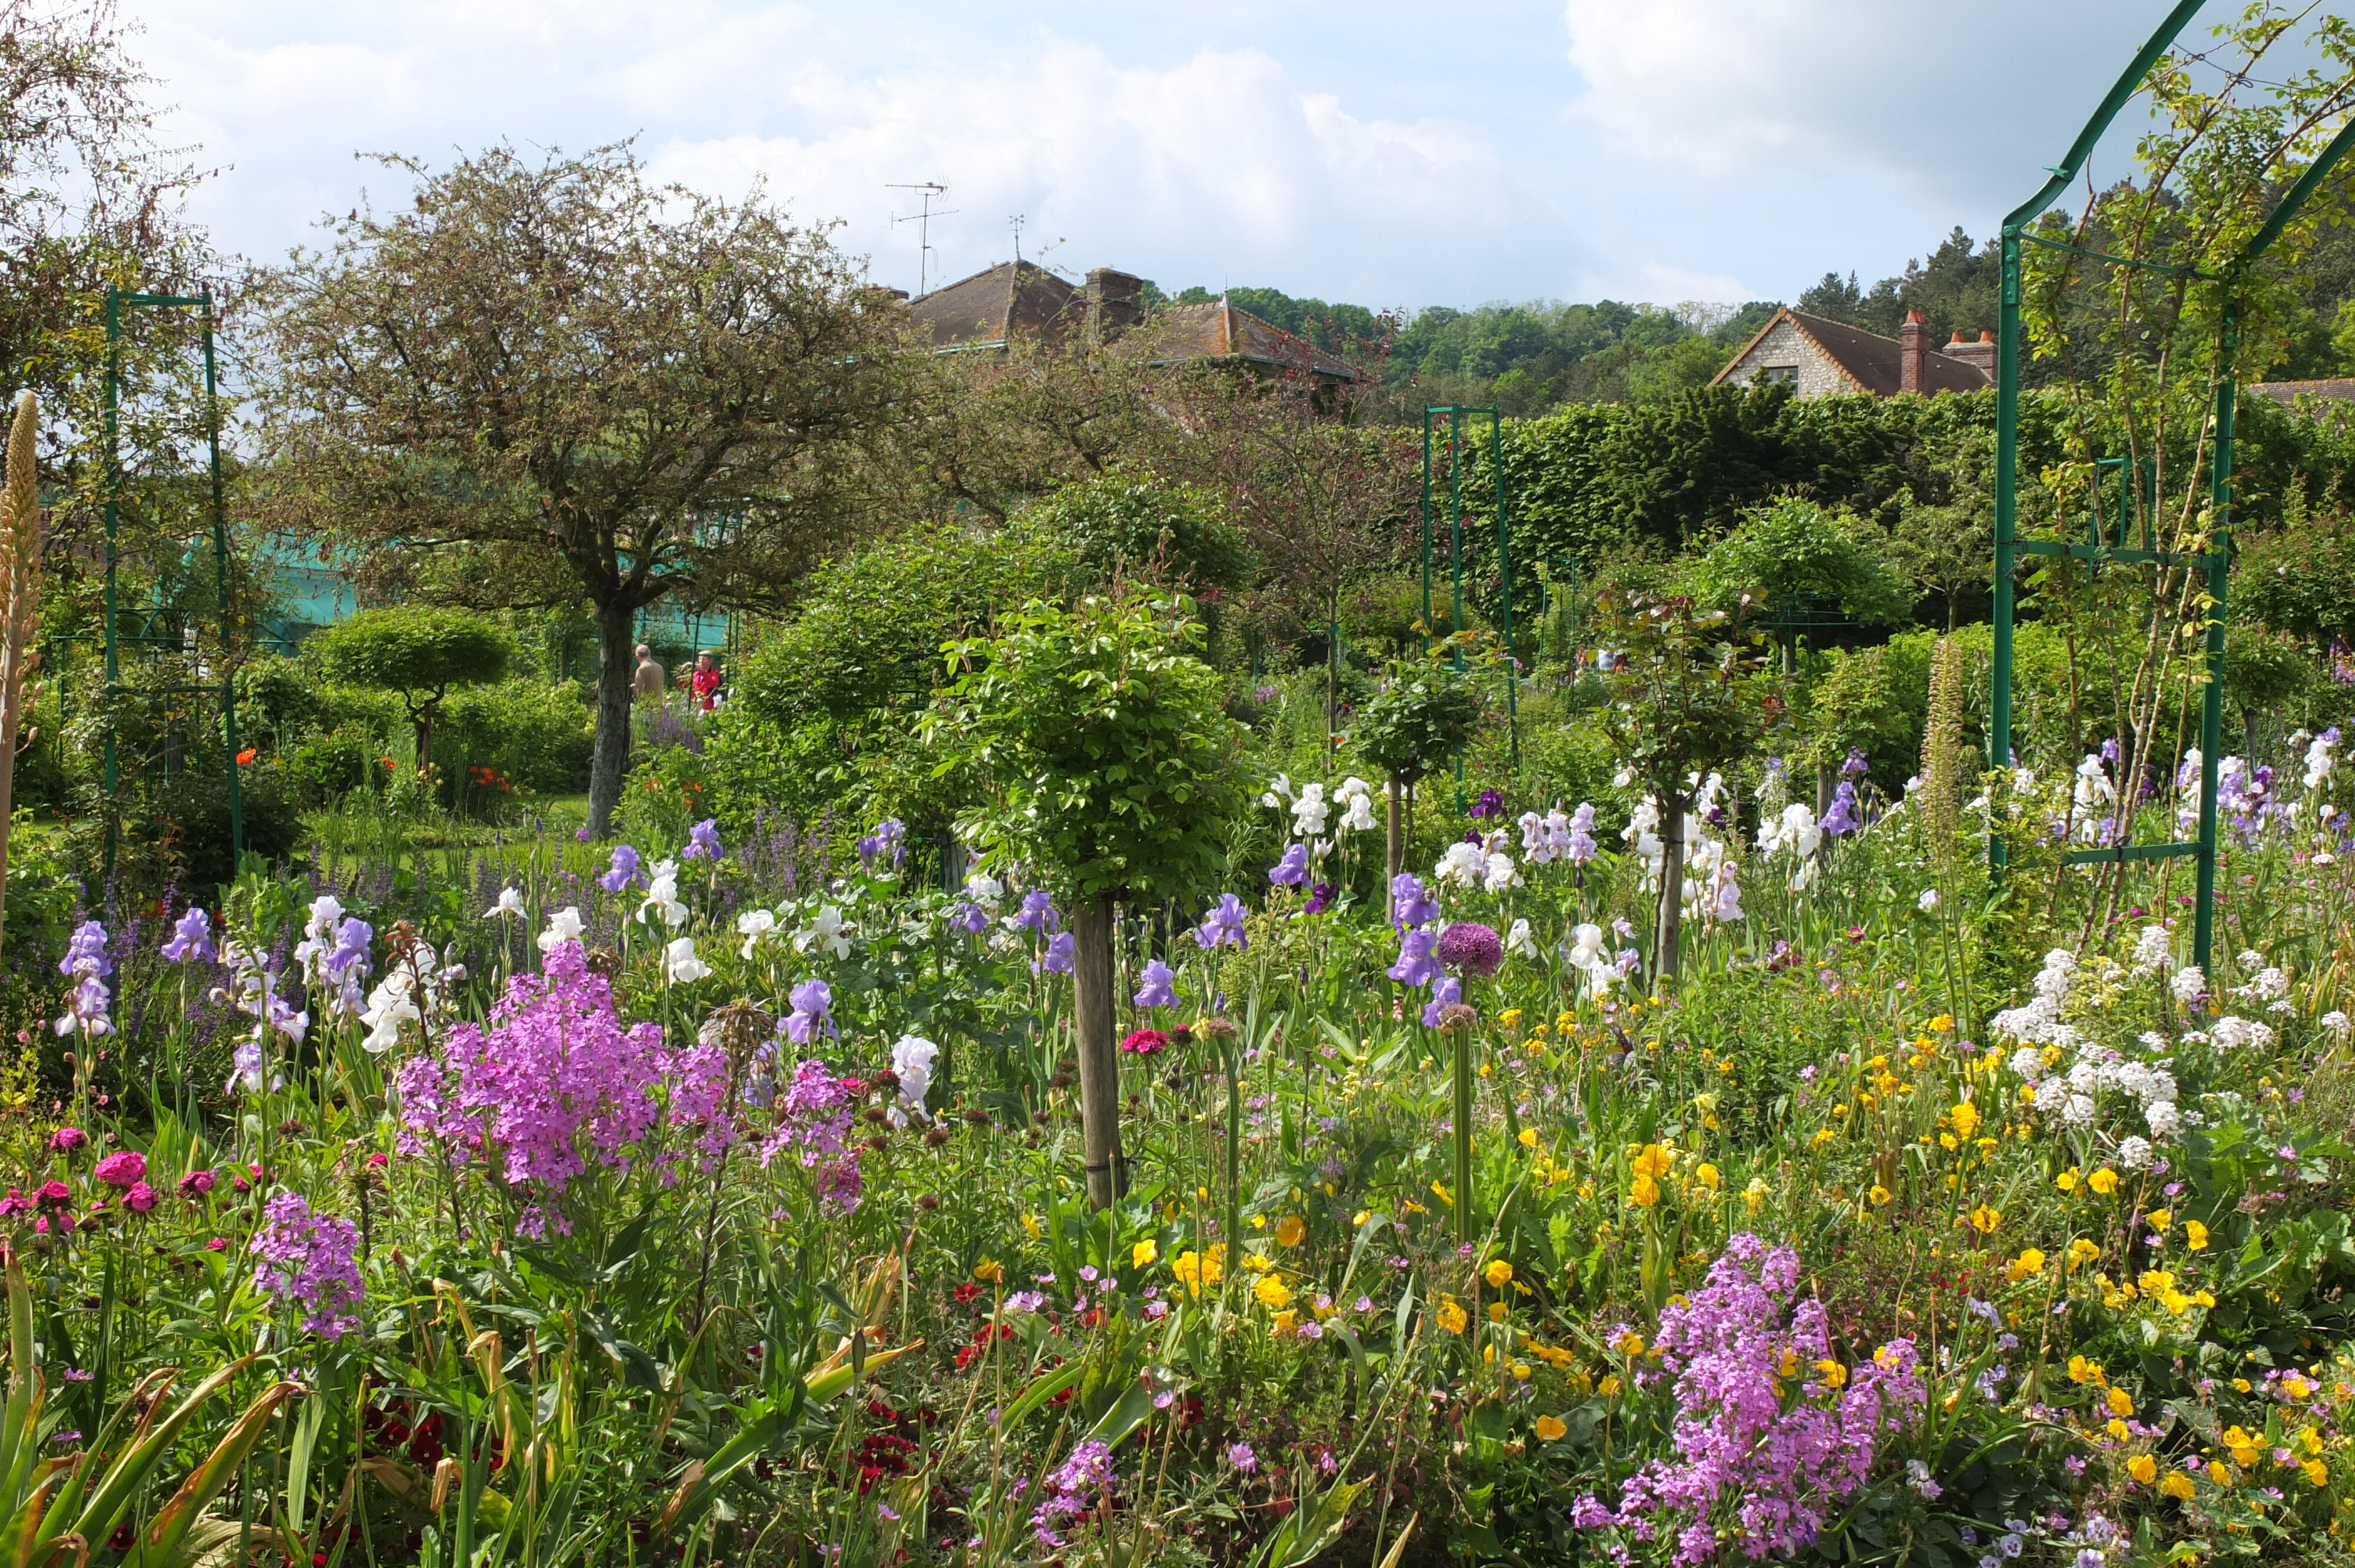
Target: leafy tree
column 1419, row 719
column 1128, row 520
column 1110, row 760
column 1792, row 554
column 557, row 382
column 1685, row 700
column 2299, row 577
column 419, row 654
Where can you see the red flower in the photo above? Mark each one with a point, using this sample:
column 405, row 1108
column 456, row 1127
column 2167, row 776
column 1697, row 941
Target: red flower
column 968, row 1292
column 245, row 757
column 1145, row 1042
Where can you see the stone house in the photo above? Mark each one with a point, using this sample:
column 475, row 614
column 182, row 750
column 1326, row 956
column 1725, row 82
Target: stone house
column 985, row 312
column 1817, row 357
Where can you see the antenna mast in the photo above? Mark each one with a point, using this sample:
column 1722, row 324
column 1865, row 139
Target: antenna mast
column 924, row 221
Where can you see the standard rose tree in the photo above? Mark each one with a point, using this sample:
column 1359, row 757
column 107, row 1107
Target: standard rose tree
column 1105, row 753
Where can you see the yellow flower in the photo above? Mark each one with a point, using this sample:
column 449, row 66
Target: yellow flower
column 2195, row 1235
column 1967, row 1118
column 1607, row 1387
column 1831, row 1375
column 2121, row 1403
column 2295, row 1386
column 2177, row 1484
column 1257, row 1264
column 1521, row 1371
column 2081, row 1253
column 1452, row 1317
column 1281, row 1322
column 2159, row 1219
column 2143, row 1469
column 2219, row 1474
column 1496, row 1311
column 1509, row 1017
column 1550, row 1429
column 1498, row 1274
column 1143, row 1254
column 2316, row 1472
column 2104, row 1182
column 1194, row 1271
column 1983, row 1219
column 1941, row 1023
column 2117, row 1431
column 1361, row 1217
column 988, row 1269
column 1645, row 1193
column 1880, row 1194
column 1528, row 1137
column 1272, row 1292
column 1707, row 1177
column 2083, row 1371
column 1630, row 1343
column 1443, row 1194
column 1290, row 1229
column 2067, row 1179
column 1651, row 1161
column 2030, row 1261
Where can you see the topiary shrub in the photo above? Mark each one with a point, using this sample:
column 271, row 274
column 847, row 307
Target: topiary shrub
column 419, row 654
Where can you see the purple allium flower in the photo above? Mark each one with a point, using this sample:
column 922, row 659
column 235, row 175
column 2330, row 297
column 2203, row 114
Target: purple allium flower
column 624, row 871
column 1157, row 990
column 1223, row 924
column 1472, row 948
column 1293, row 869
column 306, row 1258
column 703, row 842
column 1417, row 965
column 192, row 937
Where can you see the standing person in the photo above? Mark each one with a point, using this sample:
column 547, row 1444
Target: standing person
column 650, row 678
column 705, row 682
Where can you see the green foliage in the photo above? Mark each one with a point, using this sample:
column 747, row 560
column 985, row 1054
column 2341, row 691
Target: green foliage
column 2298, row 577
column 1686, row 698
column 1106, row 746
column 417, row 653
column 1792, row 554
column 1131, row 521
column 1421, row 718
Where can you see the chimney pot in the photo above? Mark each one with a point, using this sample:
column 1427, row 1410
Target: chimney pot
column 1912, row 356
column 1115, row 302
column 1986, row 336
column 1981, row 353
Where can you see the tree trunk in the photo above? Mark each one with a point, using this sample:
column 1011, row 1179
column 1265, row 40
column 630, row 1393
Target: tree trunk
column 616, row 664
column 1393, row 833
column 1670, row 926
column 1107, row 1168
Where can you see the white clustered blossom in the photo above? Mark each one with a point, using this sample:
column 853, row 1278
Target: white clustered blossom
column 2233, row 1032
column 2028, row 1063
column 2336, row 1022
column 983, row 890
column 1462, row 864
column 2188, row 985
column 2151, row 952
column 2038, row 1021
column 1795, row 833
column 2135, row 1153
column 2165, row 1120
column 2319, row 760
column 2267, row 984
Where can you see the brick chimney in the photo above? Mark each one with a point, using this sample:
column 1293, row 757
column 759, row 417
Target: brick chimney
column 1115, row 302
column 1981, row 353
column 1913, row 355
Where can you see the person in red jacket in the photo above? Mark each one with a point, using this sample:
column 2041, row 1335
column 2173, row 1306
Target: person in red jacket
column 705, row 682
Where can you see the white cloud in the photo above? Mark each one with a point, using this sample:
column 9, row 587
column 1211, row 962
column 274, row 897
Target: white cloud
column 1966, row 100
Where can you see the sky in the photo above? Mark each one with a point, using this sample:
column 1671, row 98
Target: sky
column 1389, row 154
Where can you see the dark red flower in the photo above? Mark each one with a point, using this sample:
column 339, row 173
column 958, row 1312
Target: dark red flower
column 1145, row 1042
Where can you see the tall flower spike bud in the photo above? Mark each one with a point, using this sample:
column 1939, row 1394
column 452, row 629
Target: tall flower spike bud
column 20, row 600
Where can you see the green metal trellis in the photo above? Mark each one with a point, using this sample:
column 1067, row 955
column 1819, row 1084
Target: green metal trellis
column 116, row 303
column 1456, row 419
column 2096, row 551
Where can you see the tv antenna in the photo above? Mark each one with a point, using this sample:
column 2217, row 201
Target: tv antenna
column 1015, row 223
column 923, row 219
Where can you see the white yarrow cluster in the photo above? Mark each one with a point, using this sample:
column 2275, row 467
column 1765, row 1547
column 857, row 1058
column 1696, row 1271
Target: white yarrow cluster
column 2233, row 1034
column 2266, row 983
column 2153, row 951
column 2188, row 985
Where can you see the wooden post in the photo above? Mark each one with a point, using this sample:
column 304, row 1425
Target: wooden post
column 1107, row 1167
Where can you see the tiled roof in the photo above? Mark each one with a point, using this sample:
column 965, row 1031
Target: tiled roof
column 1872, row 362
column 986, row 309
column 2332, row 389
column 1219, row 331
